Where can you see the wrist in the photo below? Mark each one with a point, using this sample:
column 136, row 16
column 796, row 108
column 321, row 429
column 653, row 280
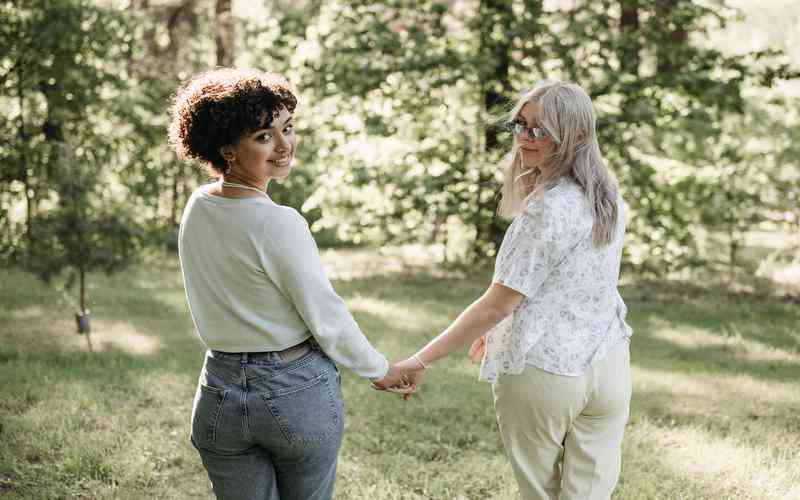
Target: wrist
column 423, row 364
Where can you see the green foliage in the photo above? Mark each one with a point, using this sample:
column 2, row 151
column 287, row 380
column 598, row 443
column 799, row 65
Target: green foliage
column 399, row 103
column 83, row 232
column 60, row 82
column 404, row 101
column 169, row 41
column 397, row 126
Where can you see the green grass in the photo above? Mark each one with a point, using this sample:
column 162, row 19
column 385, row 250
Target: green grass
column 715, row 414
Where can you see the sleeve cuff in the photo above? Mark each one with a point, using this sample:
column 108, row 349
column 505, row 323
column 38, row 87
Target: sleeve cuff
column 517, row 288
column 384, row 369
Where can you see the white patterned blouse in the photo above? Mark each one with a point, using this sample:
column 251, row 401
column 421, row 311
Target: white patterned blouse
column 572, row 314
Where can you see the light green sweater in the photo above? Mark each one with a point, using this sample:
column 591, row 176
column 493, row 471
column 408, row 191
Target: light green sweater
column 255, row 283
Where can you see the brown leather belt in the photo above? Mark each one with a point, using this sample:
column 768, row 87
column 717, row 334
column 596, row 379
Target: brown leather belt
column 286, row 355
column 295, row 352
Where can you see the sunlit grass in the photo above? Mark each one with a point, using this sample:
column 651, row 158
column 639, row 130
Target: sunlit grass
column 715, row 414
column 686, row 461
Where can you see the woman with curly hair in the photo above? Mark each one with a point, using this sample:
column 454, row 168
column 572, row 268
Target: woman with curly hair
column 268, row 415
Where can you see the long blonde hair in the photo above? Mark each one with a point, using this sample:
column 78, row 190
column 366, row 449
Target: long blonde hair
column 566, row 112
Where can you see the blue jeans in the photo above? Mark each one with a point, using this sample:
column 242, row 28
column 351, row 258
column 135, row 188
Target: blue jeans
column 269, row 429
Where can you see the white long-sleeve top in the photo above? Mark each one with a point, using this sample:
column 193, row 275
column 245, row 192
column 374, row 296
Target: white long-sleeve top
column 254, row 283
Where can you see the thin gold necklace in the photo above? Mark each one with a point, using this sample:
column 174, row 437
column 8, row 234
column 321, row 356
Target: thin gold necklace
column 243, row 186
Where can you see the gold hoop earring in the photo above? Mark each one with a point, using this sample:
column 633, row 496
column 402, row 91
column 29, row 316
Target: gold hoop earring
column 228, row 165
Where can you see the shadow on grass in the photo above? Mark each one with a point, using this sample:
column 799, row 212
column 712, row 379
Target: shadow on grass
column 725, row 321
column 730, row 324
column 416, row 286
column 722, row 415
column 44, row 351
column 113, row 374
column 758, row 317
column 661, row 354
column 141, row 311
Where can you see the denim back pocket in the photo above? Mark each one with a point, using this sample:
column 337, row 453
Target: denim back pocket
column 309, row 411
column 206, row 414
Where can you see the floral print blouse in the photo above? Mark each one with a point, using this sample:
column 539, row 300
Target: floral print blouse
column 572, row 314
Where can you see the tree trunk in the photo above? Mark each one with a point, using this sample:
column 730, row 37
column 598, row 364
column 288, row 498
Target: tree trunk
column 495, row 62
column 224, row 28
column 23, row 158
column 82, row 273
column 84, row 313
column 629, row 30
column 670, row 50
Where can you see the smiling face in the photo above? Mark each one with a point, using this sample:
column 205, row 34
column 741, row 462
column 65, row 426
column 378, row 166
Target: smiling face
column 535, row 153
column 265, row 153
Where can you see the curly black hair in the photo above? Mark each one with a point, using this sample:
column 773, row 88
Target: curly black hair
column 219, row 107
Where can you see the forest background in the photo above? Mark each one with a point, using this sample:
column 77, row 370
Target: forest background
column 398, row 174
column 400, row 107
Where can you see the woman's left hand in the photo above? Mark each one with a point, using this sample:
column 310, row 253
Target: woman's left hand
column 477, row 349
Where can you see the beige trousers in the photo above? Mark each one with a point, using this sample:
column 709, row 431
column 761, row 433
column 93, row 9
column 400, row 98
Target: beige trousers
column 563, row 435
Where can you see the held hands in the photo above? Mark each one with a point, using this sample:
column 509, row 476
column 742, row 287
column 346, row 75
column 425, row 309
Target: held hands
column 395, row 380
column 403, row 378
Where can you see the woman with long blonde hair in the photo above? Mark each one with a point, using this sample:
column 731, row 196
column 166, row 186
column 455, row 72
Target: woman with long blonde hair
column 557, row 351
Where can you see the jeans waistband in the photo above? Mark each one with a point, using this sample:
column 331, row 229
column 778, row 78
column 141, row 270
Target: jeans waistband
column 288, row 354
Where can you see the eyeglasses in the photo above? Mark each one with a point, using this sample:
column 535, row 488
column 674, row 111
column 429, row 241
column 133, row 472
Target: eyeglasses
column 534, row 133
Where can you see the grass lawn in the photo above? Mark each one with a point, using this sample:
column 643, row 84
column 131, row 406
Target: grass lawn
column 715, row 414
